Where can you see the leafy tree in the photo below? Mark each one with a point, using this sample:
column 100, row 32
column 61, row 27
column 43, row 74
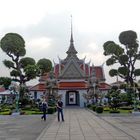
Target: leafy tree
column 45, row 65
column 22, row 68
column 126, row 56
column 114, row 98
column 5, row 81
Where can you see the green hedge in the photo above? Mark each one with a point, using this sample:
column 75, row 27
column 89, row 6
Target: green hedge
column 89, row 105
column 93, row 107
column 99, row 109
column 6, row 113
column 51, row 110
column 126, row 108
column 114, row 111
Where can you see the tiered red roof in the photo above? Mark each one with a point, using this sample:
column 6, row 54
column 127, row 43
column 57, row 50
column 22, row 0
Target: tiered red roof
column 88, row 70
column 99, row 72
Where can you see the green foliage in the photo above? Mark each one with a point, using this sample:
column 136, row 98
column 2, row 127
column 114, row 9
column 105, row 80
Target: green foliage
column 9, row 64
column 123, row 70
column 5, row 81
column 110, row 61
column 113, row 72
column 99, row 109
column 51, row 110
column 89, row 105
column 111, row 48
column 125, row 55
column 114, row 111
column 23, row 69
column 45, row 65
column 31, row 71
column 13, row 44
column 15, row 73
column 123, row 59
column 126, row 108
column 93, row 107
column 128, row 37
column 24, row 62
column 137, row 72
column 114, row 98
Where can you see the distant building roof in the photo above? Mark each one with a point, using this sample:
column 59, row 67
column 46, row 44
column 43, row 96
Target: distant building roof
column 117, row 83
column 2, row 89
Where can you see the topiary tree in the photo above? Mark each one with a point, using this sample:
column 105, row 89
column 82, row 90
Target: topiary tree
column 5, row 81
column 126, row 56
column 45, row 65
column 22, row 68
column 114, row 98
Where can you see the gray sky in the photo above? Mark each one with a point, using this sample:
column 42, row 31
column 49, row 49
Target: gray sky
column 45, row 26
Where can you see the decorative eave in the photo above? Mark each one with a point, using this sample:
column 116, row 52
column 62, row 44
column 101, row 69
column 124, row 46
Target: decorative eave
column 38, row 87
column 72, row 85
column 68, row 73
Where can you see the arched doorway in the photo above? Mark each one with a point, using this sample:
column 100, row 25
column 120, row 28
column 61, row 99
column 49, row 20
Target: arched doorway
column 72, row 98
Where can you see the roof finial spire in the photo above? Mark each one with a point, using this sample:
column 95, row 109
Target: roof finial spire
column 71, row 39
column 71, row 51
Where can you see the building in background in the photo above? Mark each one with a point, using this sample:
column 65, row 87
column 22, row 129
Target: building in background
column 73, row 77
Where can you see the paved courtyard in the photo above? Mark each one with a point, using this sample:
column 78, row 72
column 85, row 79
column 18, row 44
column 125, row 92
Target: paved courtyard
column 22, row 127
column 80, row 124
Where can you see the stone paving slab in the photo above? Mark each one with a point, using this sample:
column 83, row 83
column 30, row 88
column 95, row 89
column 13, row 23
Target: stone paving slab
column 22, row 127
column 80, row 124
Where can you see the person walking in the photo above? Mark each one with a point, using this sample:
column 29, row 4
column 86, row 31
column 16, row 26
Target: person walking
column 60, row 110
column 44, row 109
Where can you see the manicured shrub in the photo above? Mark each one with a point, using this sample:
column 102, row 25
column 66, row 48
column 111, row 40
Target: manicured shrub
column 12, row 107
column 99, row 109
column 6, row 113
column 126, row 108
column 89, row 105
column 27, row 107
column 93, row 107
column 22, row 113
column 114, row 111
column 106, row 108
column 51, row 110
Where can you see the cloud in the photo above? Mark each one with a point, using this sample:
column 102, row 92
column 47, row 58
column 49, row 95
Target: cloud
column 45, row 25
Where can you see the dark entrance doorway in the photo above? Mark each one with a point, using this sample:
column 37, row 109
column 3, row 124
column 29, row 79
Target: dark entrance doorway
column 72, row 98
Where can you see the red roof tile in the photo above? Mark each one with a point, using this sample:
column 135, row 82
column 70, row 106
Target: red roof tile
column 104, row 86
column 2, row 89
column 99, row 72
column 38, row 87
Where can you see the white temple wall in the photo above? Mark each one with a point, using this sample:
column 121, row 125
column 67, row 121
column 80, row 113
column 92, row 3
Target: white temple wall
column 63, row 93
column 82, row 100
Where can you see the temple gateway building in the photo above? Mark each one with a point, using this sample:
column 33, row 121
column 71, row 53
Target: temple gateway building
column 73, row 79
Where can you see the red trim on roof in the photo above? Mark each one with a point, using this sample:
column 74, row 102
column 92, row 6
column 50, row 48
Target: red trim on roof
column 104, row 86
column 38, row 87
column 2, row 89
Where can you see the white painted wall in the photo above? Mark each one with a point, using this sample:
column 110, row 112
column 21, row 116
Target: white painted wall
column 82, row 99
column 39, row 94
column 81, row 92
column 63, row 93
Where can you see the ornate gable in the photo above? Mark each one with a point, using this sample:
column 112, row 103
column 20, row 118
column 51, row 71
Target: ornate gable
column 72, row 71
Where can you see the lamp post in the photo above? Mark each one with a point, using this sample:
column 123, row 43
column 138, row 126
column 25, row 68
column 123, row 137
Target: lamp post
column 135, row 99
column 14, row 88
column 17, row 101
